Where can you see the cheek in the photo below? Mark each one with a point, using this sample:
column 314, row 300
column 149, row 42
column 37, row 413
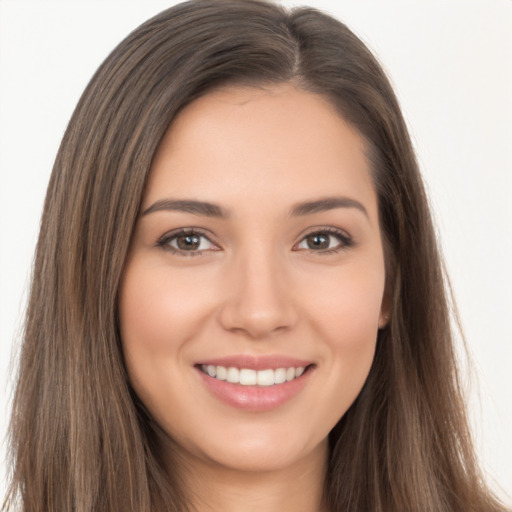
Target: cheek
column 144, row 326
column 347, row 303
column 158, row 317
column 346, row 314
column 158, row 313
column 154, row 321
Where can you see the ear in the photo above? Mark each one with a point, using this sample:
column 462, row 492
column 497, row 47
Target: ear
column 385, row 308
column 390, row 285
column 383, row 319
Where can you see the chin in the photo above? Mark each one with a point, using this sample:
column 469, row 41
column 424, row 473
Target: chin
column 262, row 450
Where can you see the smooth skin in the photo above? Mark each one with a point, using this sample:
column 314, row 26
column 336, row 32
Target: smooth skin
column 263, row 278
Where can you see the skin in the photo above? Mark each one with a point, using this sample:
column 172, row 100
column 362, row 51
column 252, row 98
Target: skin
column 255, row 287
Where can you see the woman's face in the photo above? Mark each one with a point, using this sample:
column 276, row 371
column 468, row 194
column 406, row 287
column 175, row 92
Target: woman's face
column 252, row 294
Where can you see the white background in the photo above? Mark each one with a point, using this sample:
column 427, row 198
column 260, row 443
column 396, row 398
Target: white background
column 451, row 64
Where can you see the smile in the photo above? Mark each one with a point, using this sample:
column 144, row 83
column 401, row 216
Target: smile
column 249, row 377
column 255, row 383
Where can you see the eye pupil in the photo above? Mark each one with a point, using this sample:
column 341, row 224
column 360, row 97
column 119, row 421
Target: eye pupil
column 188, row 242
column 318, row 241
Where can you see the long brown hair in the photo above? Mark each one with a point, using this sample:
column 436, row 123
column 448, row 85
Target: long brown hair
column 80, row 439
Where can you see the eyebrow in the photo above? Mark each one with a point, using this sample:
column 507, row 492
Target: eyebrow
column 206, row 209
column 325, row 204
column 188, row 206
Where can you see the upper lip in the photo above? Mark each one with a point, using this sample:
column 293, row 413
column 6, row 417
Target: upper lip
column 252, row 362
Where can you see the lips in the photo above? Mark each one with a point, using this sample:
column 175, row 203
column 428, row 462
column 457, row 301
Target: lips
column 256, row 362
column 255, row 384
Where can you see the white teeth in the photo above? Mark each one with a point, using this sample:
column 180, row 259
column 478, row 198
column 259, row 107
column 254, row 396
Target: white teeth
column 248, row 377
column 265, row 378
column 233, row 375
column 221, row 373
column 280, row 375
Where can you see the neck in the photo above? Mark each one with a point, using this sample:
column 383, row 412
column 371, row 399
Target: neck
column 299, row 486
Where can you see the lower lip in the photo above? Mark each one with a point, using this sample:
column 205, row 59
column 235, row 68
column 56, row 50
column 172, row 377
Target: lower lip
column 255, row 398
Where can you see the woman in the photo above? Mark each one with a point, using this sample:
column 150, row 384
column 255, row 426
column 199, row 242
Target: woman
column 227, row 311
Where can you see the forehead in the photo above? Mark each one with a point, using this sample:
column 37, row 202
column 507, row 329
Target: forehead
column 274, row 145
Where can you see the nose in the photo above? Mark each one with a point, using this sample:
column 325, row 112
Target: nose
column 258, row 300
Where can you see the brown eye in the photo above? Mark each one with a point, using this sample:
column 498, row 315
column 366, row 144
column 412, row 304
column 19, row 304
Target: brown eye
column 325, row 241
column 190, row 242
column 187, row 243
column 318, row 241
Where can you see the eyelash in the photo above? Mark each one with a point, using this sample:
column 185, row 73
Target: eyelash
column 345, row 241
column 165, row 240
